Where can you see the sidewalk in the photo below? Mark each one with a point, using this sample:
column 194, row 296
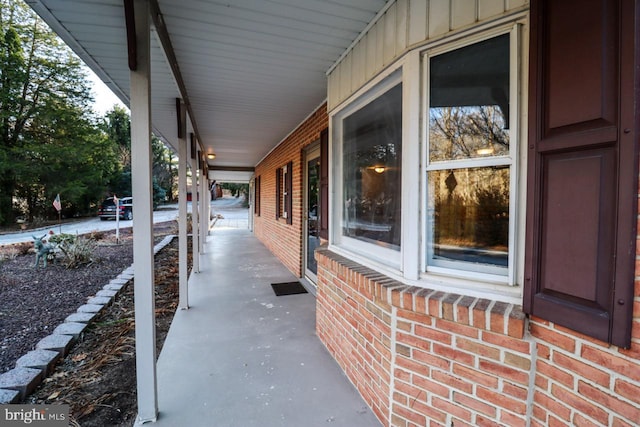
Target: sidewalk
column 241, row 356
column 228, row 212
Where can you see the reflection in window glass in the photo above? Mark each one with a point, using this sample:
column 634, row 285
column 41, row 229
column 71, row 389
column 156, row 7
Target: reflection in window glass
column 470, row 215
column 282, row 183
column 313, row 199
column 469, row 120
column 372, row 149
column 469, row 102
column 467, row 132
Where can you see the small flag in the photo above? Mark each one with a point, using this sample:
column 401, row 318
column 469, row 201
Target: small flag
column 56, row 203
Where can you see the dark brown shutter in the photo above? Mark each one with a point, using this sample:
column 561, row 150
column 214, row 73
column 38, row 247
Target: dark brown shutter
column 278, row 192
column 582, row 167
column 256, row 198
column 288, row 201
column 324, row 184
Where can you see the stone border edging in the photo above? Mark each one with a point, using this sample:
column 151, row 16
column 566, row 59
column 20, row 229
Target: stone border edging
column 32, row 368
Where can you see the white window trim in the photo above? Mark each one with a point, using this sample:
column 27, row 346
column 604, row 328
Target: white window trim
column 411, row 201
column 387, row 257
column 448, row 268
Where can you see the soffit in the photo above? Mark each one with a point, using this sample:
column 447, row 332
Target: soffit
column 252, row 69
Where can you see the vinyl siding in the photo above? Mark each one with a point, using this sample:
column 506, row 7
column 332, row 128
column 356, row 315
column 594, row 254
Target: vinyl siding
column 405, row 25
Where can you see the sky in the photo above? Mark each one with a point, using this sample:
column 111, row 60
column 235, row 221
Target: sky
column 104, row 98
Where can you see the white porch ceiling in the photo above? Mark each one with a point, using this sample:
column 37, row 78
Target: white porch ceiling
column 252, row 69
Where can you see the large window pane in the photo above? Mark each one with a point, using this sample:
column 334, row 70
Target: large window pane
column 468, row 205
column 372, row 156
column 469, row 102
column 470, row 215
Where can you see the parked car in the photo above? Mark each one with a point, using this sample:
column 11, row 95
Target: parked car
column 108, row 209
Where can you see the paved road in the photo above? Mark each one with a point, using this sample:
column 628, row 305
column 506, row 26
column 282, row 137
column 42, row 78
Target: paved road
column 167, row 213
column 230, row 213
column 229, row 208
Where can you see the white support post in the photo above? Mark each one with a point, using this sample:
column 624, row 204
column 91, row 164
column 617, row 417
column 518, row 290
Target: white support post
column 145, row 328
column 252, row 200
column 195, row 223
column 204, row 213
column 183, row 278
column 207, row 189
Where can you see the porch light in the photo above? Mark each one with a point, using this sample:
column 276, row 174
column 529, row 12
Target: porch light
column 379, row 169
column 211, row 156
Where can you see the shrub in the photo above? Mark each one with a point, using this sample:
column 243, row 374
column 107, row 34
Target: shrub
column 62, row 239
column 78, row 253
column 22, row 248
column 9, row 253
column 97, row 235
column 76, row 250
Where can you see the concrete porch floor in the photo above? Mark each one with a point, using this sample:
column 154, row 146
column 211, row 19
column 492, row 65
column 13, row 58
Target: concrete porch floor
column 241, row 356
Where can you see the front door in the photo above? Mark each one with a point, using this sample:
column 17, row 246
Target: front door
column 312, row 210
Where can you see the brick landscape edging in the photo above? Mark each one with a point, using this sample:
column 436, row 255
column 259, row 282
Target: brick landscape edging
column 32, row 368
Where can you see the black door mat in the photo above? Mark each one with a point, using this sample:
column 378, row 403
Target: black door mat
column 288, row 288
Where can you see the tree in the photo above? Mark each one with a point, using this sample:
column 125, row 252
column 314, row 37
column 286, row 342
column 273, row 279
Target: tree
column 68, row 155
column 12, row 73
column 117, row 127
column 165, row 171
column 49, row 143
column 236, row 190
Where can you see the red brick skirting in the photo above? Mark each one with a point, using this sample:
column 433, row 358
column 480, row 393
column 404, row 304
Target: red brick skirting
column 423, row 357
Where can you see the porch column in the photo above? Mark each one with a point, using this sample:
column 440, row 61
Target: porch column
column 195, row 223
column 207, row 188
column 205, row 195
column 183, row 277
column 251, row 201
column 141, row 179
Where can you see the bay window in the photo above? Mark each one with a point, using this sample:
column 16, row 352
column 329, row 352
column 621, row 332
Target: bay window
column 425, row 159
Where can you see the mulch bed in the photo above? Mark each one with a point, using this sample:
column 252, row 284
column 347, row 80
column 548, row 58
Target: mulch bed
column 97, row 379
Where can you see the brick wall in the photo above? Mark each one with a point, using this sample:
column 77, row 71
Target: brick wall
column 581, row 381
column 285, row 240
column 426, row 358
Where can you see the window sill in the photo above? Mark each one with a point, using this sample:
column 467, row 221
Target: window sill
column 489, row 315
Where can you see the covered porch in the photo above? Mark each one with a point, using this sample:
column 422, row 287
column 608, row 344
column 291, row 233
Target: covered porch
column 242, row 356
column 252, row 91
column 223, row 84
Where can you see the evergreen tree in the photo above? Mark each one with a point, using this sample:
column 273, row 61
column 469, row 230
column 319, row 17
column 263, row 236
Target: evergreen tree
column 165, row 170
column 117, row 127
column 49, row 142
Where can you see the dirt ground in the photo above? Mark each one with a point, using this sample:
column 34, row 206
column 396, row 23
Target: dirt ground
column 97, row 379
